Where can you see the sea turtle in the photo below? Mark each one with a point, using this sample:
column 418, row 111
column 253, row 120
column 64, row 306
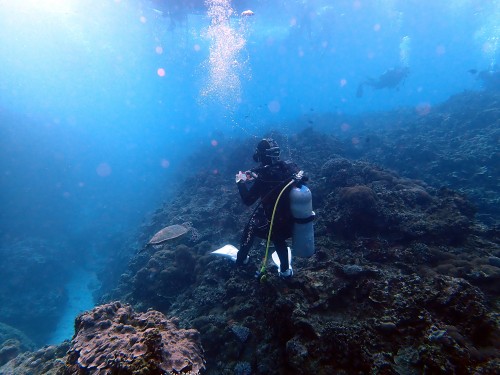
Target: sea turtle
column 168, row 233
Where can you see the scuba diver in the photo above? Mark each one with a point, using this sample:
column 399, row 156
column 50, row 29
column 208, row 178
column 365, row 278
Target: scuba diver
column 490, row 79
column 389, row 79
column 177, row 11
column 276, row 183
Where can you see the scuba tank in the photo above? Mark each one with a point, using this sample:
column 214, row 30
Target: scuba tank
column 303, row 231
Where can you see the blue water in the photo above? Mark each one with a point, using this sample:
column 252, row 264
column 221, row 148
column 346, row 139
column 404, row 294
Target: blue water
column 80, row 299
column 100, row 101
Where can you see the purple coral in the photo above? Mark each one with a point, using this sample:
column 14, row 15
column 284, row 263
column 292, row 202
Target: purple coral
column 113, row 337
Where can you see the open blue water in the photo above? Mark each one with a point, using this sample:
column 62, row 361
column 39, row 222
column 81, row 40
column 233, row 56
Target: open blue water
column 100, row 100
column 80, row 299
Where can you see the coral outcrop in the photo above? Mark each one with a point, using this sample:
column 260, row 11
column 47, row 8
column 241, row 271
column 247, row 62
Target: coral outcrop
column 114, row 339
column 362, row 199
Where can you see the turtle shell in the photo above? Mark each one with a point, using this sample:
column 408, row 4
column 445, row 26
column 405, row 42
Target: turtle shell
column 168, row 233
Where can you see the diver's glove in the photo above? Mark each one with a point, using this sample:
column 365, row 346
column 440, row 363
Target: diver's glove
column 244, row 176
column 240, row 176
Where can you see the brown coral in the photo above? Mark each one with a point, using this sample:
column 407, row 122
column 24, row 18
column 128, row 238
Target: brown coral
column 113, row 338
column 358, row 198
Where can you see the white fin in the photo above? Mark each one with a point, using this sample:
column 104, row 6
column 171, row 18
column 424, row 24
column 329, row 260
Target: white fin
column 228, row 251
column 276, row 259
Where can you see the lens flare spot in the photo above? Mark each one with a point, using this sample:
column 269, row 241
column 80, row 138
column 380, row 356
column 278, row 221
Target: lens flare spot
column 103, row 170
column 197, row 48
column 142, row 19
column 343, row 82
column 423, row 109
column 164, row 163
column 355, row 140
column 159, row 50
column 440, row 50
column 274, row 106
column 161, row 72
column 345, row 127
column 356, row 4
column 376, row 27
column 214, row 143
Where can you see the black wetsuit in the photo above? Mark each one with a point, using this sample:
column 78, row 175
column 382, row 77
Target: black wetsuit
column 270, row 180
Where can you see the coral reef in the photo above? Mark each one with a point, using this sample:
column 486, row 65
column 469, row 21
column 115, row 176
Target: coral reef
column 362, row 199
column 404, row 280
column 454, row 145
column 112, row 339
column 46, row 361
column 166, row 274
column 12, row 343
column 33, row 274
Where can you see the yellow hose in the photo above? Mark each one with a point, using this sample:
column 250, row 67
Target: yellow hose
column 264, row 262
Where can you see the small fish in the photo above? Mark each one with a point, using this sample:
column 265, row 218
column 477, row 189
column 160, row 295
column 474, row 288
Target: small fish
column 247, row 13
column 157, row 11
column 359, row 91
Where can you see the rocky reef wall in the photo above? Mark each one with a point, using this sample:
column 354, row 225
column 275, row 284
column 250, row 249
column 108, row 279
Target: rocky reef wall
column 404, row 279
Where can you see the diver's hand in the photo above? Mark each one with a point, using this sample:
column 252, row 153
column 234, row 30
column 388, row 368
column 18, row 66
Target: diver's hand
column 240, row 176
column 245, row 176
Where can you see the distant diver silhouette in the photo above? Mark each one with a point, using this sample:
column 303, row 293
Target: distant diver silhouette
column 389, row 79
column 490, row 79
column 177, row 11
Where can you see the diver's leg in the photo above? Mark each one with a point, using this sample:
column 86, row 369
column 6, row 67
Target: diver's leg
column 246, row 242
column 282, row 251
column 257, row 226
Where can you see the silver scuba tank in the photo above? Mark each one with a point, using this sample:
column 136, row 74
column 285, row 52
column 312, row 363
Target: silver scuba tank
column 303, row 231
